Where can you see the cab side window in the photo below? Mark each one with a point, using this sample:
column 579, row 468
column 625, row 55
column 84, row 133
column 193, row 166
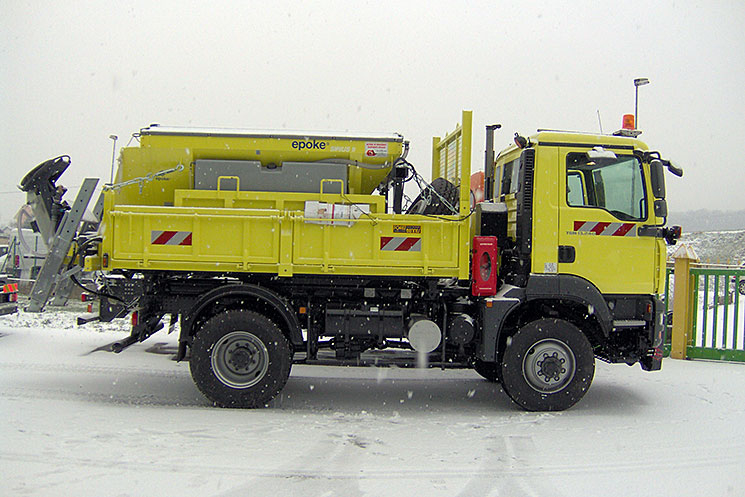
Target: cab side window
column 575, row 189
column 510, row 175
column 612, row 184
column 498, row 182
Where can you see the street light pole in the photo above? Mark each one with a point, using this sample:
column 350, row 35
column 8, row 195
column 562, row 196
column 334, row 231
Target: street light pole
column 637, row 83
column 114, row 138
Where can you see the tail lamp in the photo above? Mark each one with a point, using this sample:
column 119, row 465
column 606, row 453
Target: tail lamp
column 484, row 266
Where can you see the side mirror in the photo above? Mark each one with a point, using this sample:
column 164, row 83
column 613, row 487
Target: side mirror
column 677, row 171
column 660, row 207
column 657, row 176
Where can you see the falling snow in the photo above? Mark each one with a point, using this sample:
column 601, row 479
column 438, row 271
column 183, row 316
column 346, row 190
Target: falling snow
column 77, row 422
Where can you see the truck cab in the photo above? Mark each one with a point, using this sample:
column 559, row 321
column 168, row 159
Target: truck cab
column 585, row 217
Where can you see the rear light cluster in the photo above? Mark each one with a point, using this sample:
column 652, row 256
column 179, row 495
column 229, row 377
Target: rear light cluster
column 87, row 297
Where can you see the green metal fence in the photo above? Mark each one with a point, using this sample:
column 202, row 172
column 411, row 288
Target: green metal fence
column 718, row 320
column 668, row 300
column 718, row 307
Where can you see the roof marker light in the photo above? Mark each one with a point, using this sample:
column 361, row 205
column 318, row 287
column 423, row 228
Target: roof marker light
column 628, row 121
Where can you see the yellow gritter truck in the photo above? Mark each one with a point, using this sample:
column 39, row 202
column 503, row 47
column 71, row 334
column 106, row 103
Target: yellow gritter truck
column 274, row 248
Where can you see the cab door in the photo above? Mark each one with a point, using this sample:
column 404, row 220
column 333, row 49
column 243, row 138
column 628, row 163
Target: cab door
column 604, row 201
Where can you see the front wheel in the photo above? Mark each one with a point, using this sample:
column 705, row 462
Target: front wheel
column 240, row 359
column 548, row 365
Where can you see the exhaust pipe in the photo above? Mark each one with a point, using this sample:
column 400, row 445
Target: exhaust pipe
column 489, row 162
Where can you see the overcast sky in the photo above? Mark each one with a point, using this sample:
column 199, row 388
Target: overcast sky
column 72, row 73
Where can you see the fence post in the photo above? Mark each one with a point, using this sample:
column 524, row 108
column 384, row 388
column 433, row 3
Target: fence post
column 682, row 315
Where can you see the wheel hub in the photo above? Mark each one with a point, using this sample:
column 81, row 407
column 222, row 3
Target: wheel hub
column 549, row 366
column 240, row 359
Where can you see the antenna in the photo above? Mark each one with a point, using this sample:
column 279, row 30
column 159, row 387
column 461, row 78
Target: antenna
column 600, row 122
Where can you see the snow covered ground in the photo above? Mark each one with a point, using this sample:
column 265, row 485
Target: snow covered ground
column 76, row 422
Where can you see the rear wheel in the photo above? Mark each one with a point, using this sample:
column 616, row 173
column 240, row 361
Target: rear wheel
column 548, row 365
column 240, row 359
column 741, row 287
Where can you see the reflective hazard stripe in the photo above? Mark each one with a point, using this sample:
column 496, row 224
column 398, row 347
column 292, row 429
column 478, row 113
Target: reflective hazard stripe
column 606, row 229
column 158, row 237
column 401, row 243
column 10, row 288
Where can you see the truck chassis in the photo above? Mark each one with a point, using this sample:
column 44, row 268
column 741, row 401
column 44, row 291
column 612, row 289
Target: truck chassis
column 261, row 279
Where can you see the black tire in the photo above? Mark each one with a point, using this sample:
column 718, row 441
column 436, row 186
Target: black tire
column 240, row 359
column 548, row 365
column 741, row 287
column 430, row 203
column 488, row 370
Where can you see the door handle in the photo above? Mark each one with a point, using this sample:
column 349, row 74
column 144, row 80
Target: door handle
column 566, row 254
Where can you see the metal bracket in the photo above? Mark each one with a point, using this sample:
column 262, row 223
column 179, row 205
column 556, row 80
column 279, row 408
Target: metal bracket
column 46, row 281
column 653, row 231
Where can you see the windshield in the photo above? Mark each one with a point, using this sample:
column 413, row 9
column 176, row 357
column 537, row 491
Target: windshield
column 615, row 185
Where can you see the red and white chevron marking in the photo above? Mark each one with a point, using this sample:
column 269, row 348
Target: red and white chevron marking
column 401, row 243
column 158, row 237
column 10, row 288
column 606, row 229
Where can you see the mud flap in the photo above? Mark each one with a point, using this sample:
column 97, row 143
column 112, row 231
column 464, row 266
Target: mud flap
column 653, row 360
